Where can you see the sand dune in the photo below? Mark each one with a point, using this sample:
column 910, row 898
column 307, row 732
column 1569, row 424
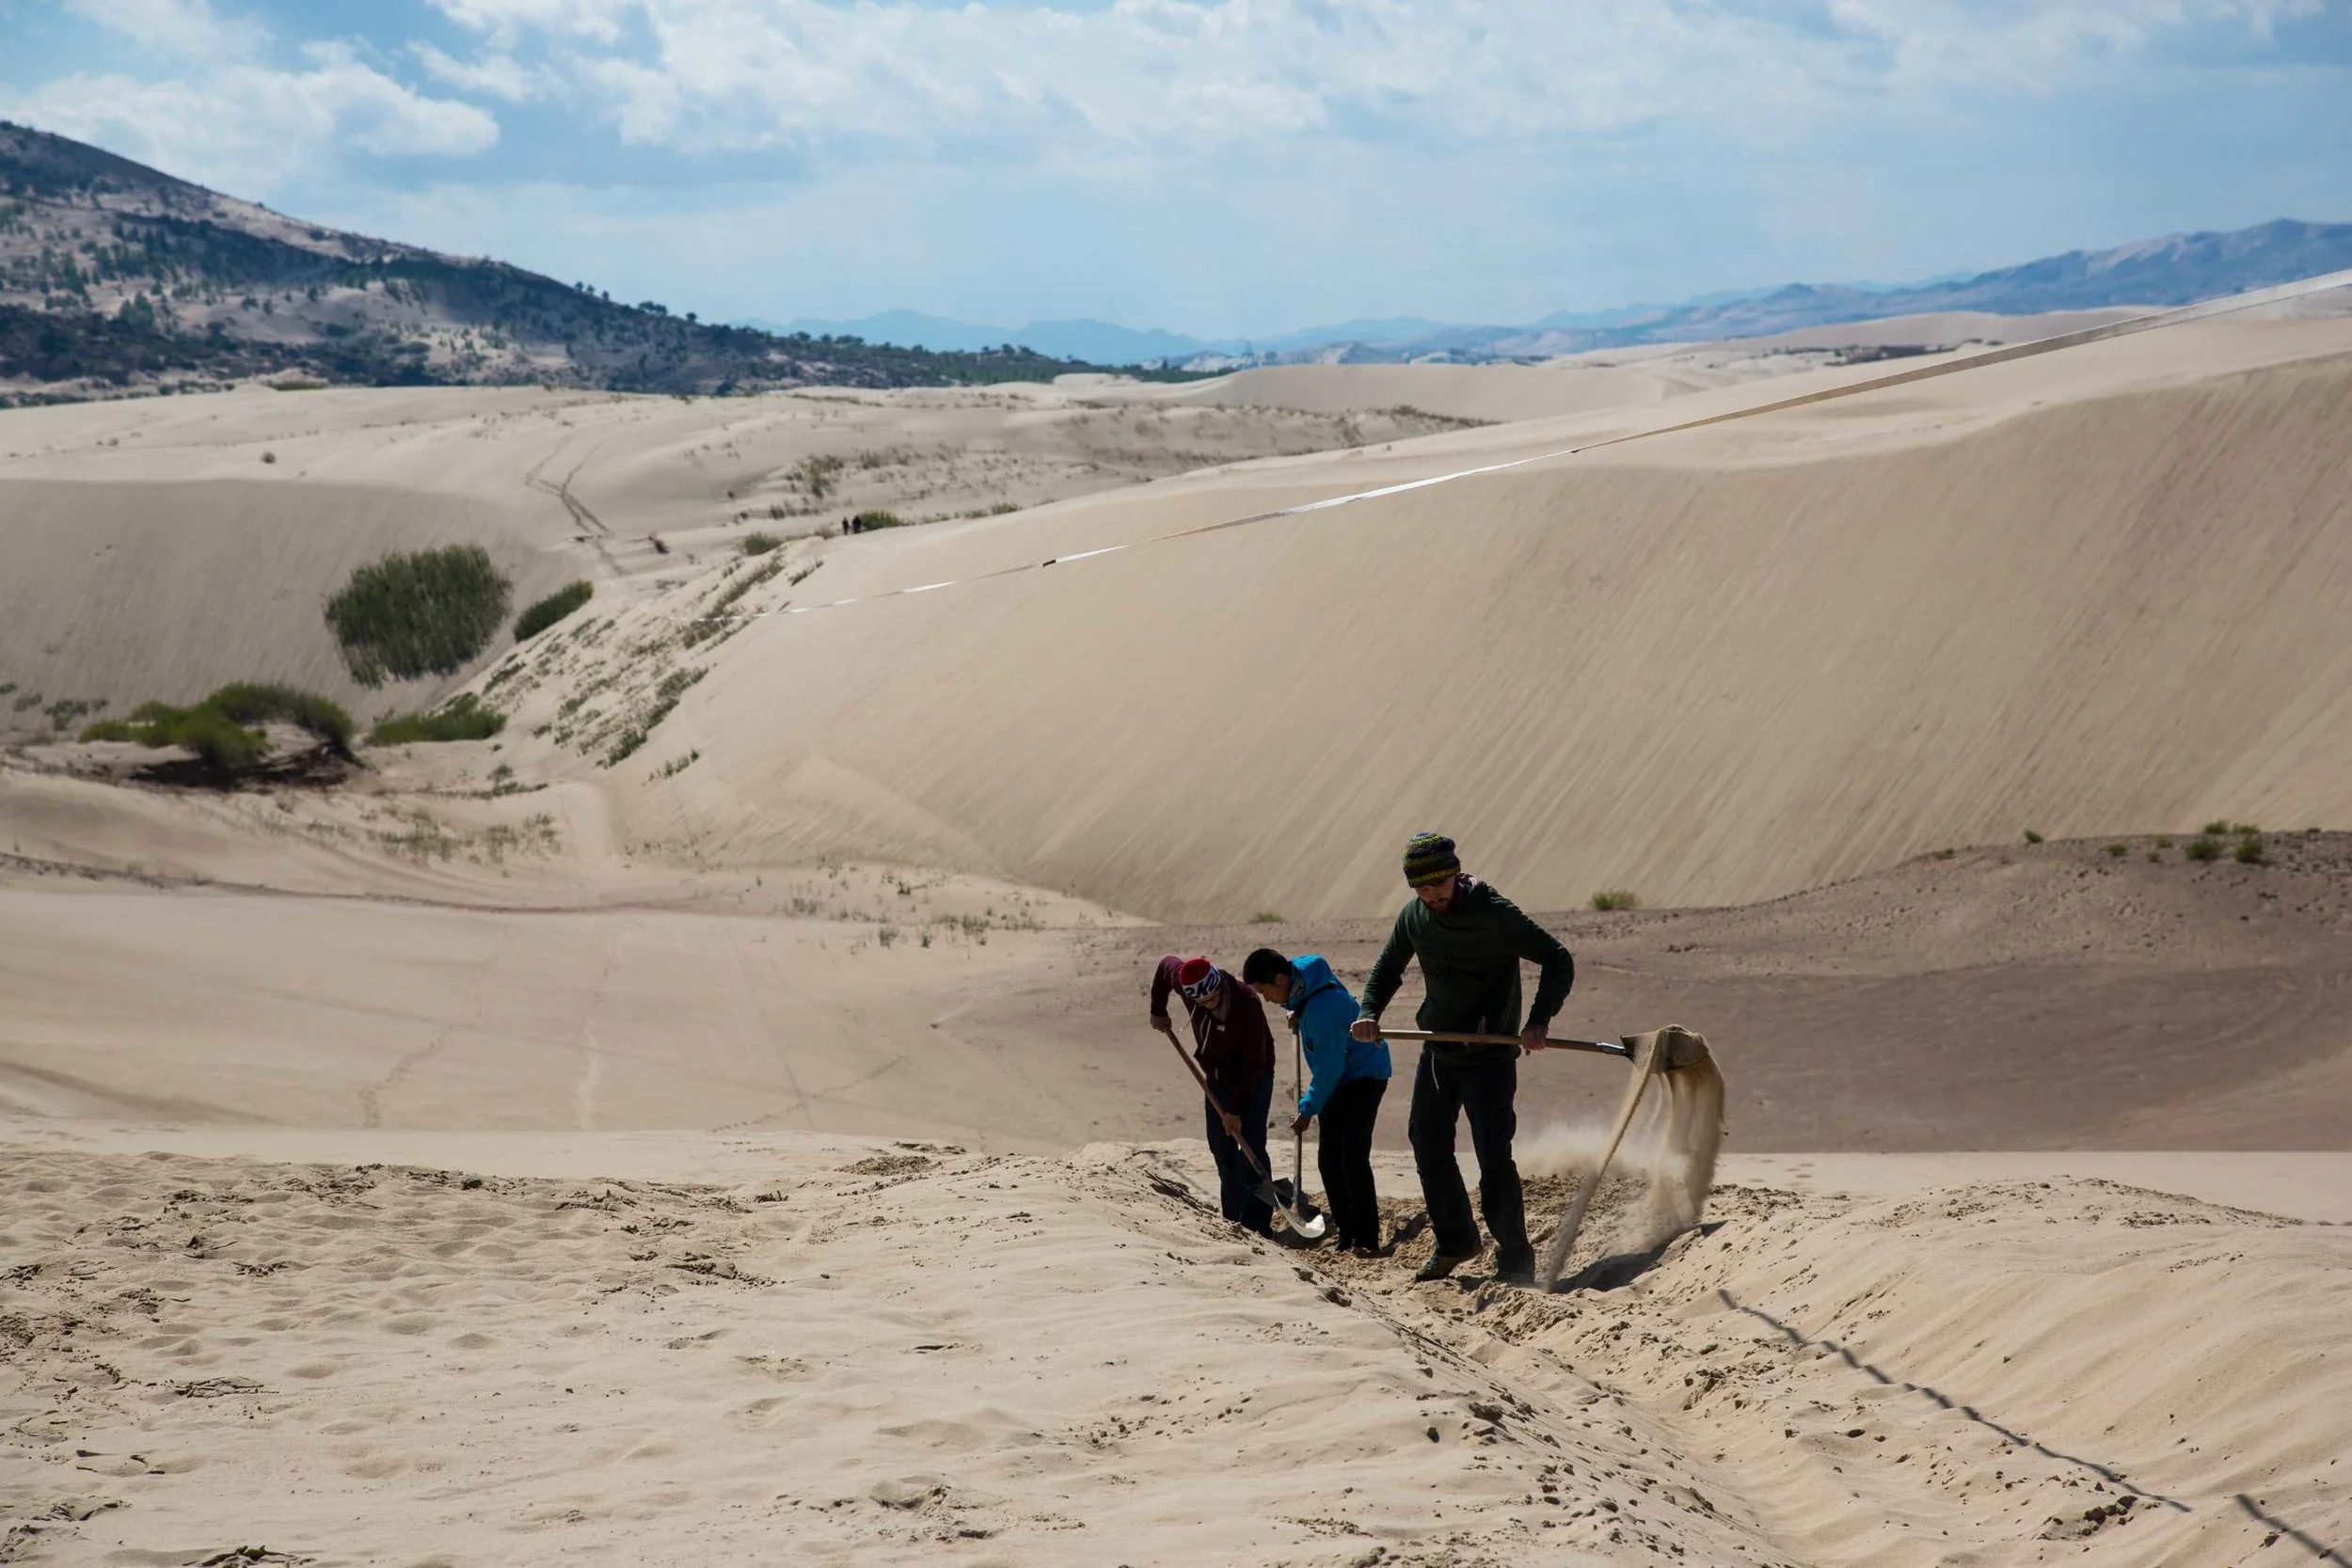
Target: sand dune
column 740, row 1141
column 345, row 1363
column 160, row 547
column 2076, row 597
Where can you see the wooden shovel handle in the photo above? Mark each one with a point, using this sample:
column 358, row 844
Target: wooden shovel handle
column 1441, row 1036
column 1210, row 1095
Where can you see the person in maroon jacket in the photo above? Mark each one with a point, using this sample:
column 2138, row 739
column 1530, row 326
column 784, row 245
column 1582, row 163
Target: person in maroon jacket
column 1235, row 1050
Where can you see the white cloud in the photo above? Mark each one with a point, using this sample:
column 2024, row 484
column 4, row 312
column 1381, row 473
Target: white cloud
column 720, row 76
column 184, row 29
column 492, row 75
column 249, row 127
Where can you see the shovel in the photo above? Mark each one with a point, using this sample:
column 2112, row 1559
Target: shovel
column 1667, row 1051
column 1265, row 1192
column 1304, row 1223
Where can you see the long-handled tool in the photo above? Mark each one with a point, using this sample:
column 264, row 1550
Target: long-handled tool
column 1308, row 1224
column 1265, row 1191
column 1671, row 1050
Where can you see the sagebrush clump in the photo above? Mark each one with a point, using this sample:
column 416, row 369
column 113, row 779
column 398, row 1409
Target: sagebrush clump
column 1615, row 898
column 462, row 717
column 221, row 728
column 412, row 615
column 542, row 613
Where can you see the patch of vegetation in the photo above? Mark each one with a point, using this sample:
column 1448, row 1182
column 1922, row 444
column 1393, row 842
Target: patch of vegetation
column 815, row 475
column 866, row 522
column 2032, row 837
column 223, row 728
column 2250, row 851
column 760, row 544
column 671, row 768
column 665, row 697
column 1266, row 918
column 542, row 613
column 211, row 734
column 267, row 702
column 411, row 615
column 2119, row 850
column 803, row 575
column 1407, row 412
column 1615, row 898
column 2203, row 847
column 462, row 717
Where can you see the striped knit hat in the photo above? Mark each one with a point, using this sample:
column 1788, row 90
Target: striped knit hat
column 1429, row 859
column 1197, row 978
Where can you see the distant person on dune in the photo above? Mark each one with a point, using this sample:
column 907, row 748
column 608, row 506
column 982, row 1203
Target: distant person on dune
column 1470, row 939
column 1235, row 1050
column 1349, row 1077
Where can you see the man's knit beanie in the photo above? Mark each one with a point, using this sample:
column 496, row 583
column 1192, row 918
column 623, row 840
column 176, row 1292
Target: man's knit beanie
column 1197, row 978
column 1429, row 859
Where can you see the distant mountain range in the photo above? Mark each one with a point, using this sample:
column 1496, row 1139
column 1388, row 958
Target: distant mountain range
column 2177, row 269
column 115, row 277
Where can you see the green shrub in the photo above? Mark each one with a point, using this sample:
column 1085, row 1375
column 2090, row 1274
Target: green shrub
column 2119, row 850
column 2218, row 828
column 760, row 544
column 1615, row 898
column 462, row 717
column 545, row 612
column 2203, row 847
column 2032, row 837
column 220, row 739
column 260, row 703
column 206, row 730
column 2250, row 850
column 412, row 615
column 866, row 522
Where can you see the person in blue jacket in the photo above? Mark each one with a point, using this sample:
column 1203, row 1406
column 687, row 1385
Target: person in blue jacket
column 1349, row 1076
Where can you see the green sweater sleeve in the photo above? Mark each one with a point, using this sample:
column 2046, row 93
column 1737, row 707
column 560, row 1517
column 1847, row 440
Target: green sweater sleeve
column 1387, row 971
column 1538, row 946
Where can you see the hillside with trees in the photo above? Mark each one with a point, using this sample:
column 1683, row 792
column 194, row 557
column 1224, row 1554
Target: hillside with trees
column 116, row 277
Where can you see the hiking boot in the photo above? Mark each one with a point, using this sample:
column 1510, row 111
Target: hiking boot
column 1522, row 1275
column 1441, row 1264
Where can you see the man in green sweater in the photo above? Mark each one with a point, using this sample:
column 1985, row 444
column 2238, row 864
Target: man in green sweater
column 1470, row 939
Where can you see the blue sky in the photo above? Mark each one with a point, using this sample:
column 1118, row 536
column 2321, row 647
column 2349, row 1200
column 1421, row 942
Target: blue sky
column 1216, row 166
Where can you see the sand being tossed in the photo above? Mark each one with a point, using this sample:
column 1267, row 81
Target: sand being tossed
column 875, row 1351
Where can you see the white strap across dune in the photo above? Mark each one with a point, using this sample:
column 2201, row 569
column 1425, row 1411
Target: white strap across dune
column 1920, row 373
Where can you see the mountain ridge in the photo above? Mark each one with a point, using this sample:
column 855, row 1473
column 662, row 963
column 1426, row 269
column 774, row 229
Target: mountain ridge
column 2171, row 269
column 118, row 277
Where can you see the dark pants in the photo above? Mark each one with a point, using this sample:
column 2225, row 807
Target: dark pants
column 1344, row 1155
column 1442, row 1091
column 1236, row 1178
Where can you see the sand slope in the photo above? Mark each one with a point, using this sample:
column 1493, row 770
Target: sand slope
column 346, row 1364
column 2076, row 597
column 162, row 546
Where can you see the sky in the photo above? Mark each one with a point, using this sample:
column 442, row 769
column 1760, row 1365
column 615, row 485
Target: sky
column 1221, row 168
